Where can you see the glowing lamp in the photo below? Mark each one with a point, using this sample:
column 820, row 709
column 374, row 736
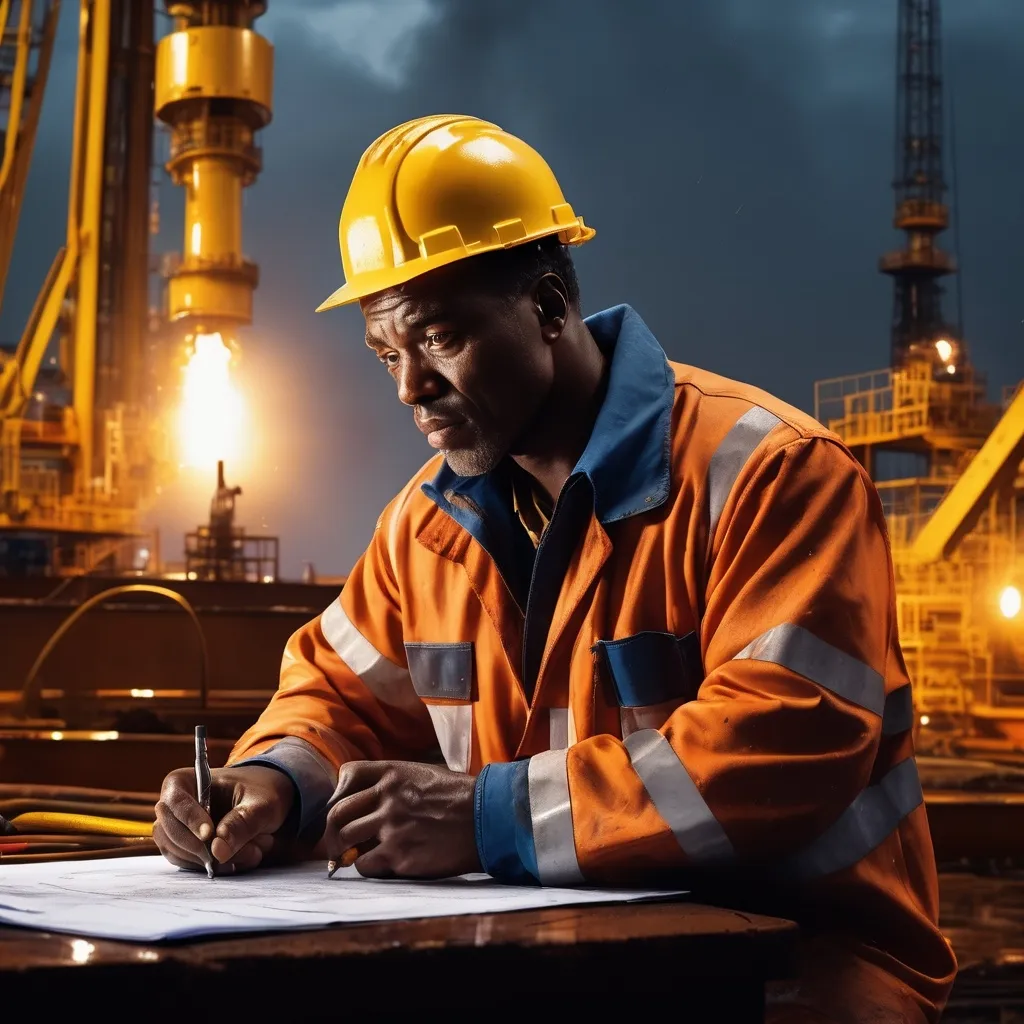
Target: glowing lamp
column 1010, row 602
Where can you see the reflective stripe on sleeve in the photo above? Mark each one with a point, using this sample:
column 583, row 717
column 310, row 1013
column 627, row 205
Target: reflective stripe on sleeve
column 899, row 712
column 558, row 728
column 388, row 682
column 551, row 815
column 799, row 650
column 872, row 817
column 677, row 799
column 453, row 724
column 731, row 456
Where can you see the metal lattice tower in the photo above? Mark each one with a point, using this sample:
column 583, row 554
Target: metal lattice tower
column 917, row 268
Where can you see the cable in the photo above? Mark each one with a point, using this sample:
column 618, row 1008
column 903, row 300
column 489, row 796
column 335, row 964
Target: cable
column 26, row 701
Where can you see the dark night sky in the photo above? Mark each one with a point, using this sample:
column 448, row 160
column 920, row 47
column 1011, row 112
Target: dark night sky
column 735, row 157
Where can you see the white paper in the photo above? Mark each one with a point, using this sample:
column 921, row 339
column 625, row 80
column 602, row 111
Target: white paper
column 145, row 899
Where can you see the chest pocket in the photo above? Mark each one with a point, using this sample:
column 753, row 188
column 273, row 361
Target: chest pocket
column 442, row 676
column 652, row 673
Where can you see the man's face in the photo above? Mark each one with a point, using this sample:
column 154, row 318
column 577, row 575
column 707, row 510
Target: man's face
column 474, row 367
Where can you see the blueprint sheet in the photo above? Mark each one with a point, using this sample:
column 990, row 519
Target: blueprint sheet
column 145, row 899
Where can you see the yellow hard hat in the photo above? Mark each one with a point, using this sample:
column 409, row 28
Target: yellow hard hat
column 438, row 189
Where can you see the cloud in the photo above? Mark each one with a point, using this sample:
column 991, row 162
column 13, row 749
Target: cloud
column 375, row 38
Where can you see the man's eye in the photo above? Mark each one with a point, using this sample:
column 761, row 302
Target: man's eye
column 389, row 359
column 438, row 338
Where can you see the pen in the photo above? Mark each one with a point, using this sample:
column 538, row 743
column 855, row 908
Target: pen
column 203, row 780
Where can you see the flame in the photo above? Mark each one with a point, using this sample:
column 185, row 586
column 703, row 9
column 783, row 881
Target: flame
column 211, row 414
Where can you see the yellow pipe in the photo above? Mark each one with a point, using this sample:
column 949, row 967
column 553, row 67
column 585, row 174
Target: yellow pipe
column 959, row 510
column 87, row 291
column 79, row 129
column 213, row 211
column 38, row 331
column 45, row 822
column 213, row 88
column 20, row 77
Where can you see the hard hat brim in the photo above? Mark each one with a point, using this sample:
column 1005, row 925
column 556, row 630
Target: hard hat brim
column 391, row 277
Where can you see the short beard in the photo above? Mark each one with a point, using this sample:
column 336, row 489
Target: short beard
column 475, row 461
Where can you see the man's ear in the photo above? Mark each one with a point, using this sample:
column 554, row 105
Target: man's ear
column 551, row 299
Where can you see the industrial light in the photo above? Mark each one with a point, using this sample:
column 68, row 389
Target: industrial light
column 1010, row 602
column 944, row 348
column 211, row 414
column 951, row 368
column 925, row 719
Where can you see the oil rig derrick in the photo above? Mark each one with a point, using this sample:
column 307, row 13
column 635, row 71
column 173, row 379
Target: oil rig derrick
column 921, row 212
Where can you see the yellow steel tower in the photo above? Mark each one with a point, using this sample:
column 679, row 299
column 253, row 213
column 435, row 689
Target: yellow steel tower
column 80, row 437
column 213, row 89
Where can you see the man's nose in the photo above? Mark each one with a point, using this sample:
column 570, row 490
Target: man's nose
column 417, row 383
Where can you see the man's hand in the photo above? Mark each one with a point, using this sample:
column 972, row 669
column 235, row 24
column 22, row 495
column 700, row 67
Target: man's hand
column 407, row 820
column 248, row 805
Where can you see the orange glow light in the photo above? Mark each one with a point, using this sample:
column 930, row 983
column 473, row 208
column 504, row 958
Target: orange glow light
column 211, row 416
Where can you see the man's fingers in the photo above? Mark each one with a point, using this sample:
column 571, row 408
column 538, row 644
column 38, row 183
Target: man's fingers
column 249, row 856
column 178, row 797
column 375, row 863
column 265, row 843
column 357, row 805
column 178, row 834
column 356, row 776
column 252, row 816
column 352, row 833
column 174, row 854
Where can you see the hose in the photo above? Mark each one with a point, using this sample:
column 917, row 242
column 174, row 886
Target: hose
column 27, row 701
column 130, row 812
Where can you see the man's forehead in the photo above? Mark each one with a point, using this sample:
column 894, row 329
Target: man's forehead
column 397, row 304
column 412, row 305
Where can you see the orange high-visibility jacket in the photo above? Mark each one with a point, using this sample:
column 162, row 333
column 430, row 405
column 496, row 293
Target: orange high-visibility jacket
column 698, row 668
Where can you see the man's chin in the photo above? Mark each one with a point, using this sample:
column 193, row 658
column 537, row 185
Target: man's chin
column 473, row 461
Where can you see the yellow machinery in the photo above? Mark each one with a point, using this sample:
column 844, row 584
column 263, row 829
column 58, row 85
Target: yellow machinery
column 79, row 472
column 213, row 88
column 945, row 460
column 952, row 494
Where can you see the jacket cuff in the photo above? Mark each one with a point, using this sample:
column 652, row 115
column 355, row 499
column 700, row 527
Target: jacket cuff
column 313, row 777
column 504, row 829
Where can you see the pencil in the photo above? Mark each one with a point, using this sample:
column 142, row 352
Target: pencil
column 348, row 858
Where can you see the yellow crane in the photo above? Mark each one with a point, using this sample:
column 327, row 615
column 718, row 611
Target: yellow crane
column 79, row 472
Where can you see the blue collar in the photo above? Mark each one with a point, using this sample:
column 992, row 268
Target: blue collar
column 627, row 456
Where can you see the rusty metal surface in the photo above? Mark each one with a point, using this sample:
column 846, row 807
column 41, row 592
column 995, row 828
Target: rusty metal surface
column 136, row 647
column 127, row 762
column 138, row 644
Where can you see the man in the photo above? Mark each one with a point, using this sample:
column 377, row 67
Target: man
column 645, row 614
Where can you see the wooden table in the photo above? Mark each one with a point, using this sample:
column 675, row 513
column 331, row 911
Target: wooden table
column 698, row 962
